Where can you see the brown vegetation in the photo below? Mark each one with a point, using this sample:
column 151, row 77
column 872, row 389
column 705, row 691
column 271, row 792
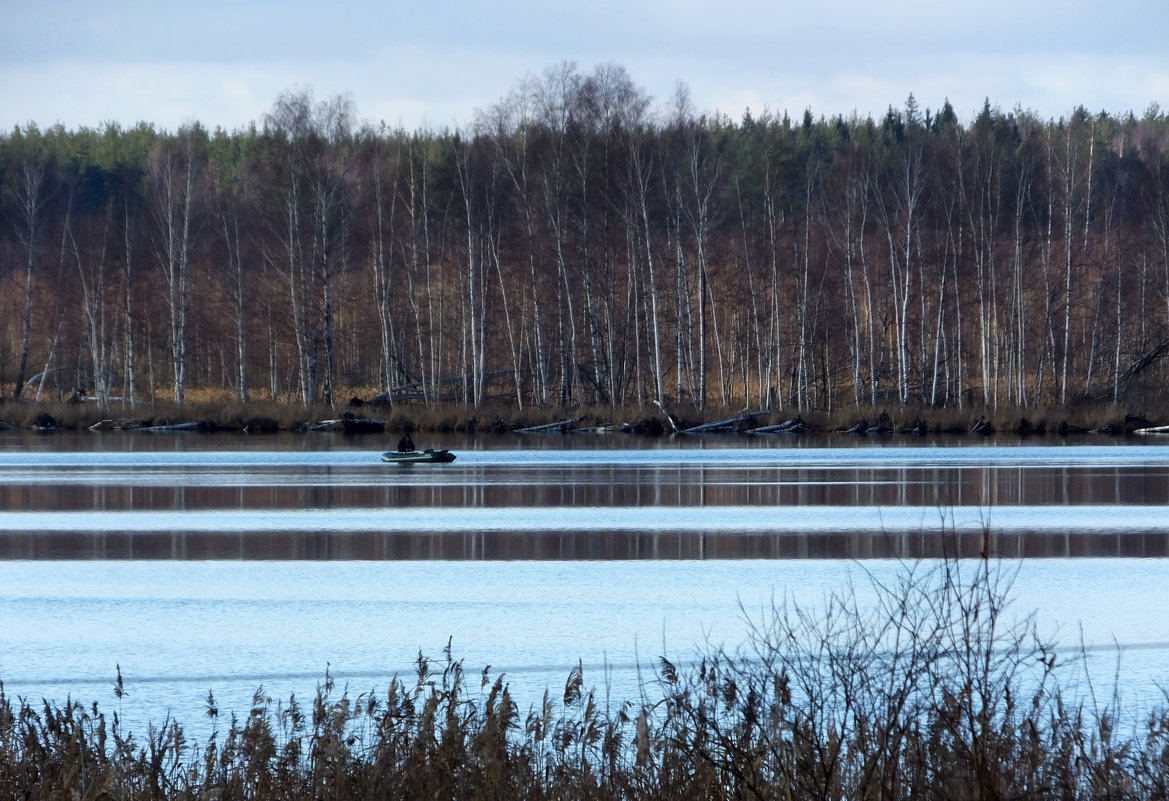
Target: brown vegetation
column 223, row 414
column 934, row 690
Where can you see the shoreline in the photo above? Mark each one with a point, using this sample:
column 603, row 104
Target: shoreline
column 361, row 419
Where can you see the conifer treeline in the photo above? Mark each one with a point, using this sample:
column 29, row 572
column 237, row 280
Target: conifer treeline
column 571, row 247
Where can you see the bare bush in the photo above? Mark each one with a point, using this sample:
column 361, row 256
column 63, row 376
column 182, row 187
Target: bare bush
column 928, row 686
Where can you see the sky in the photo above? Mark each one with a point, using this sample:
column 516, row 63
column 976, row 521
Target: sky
column 434, row 65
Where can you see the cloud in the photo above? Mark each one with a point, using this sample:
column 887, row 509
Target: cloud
column 414, row 64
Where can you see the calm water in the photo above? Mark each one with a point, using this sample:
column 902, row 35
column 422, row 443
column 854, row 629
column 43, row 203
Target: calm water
column 203, row 563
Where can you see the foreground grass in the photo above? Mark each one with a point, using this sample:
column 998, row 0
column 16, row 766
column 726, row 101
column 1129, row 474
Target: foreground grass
column 934, row 691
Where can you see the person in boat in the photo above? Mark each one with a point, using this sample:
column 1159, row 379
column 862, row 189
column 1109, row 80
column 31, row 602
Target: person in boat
column 405, row 444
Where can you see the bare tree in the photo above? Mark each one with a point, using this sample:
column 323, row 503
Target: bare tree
column 476, row 191
column 230, row 212
column 316, row 147
column 384, row 160
column 513, row 123
column 703, row 177
column 845, row 214
column 900, row 217
column 509, row 125
column 175, row 173
column 1070, row 177
column 92, row 261
column 28, row 186
column 640, row 177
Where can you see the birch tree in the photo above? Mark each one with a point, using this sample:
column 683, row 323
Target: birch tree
column 383, row 164
column 316, row 147
column 511, row 125
column 175, row 173
column 231, row 217
column 514, row 126
column 1070, row 168
column 29, row 189
column 900, row 197
column 702, row 180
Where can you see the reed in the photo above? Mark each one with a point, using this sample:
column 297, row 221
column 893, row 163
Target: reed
column 927, row 687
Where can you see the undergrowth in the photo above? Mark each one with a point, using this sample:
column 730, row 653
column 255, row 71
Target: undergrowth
column 263, row 416
column 927, row 687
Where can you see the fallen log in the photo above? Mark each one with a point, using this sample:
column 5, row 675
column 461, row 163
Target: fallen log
column 669, row 417
column 1108, row 428
column 561, row 426
column 118, row 424
column 651, row 426
column 982, row 426
column 194, row 425
column 600, row 428
column 727, row 424
column 1153, row 430
column 792, row 426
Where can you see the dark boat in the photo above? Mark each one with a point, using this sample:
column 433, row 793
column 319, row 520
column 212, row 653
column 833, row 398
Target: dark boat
column 428, row 456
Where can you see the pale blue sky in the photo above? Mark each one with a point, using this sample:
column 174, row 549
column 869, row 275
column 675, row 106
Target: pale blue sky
column 417, row 64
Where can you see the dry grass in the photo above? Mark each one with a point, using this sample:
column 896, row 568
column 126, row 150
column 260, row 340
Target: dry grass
column 219, row 411
column 931, row 693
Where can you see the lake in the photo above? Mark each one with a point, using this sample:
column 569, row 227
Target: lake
column 223, row 563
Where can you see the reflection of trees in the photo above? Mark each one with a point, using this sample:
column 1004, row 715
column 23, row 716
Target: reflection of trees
column 571, row 545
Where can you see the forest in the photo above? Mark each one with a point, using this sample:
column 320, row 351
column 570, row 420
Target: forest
column 569, row 247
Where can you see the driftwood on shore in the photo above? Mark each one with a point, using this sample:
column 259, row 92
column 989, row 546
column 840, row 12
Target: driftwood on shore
column 669, row 417
column 742, row 423
column 728, row 424
column 350, row 424
column 193, row 425
column 1152, row 430
column 793, row 426
column 119, row 424
column 650, row 426
column 600, row 428
column 561, row 425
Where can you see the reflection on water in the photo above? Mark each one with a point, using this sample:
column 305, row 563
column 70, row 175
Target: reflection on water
column 533, row 555
column 503, row 485
column 177, row 629
column 574, row 545
column 507, row 499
